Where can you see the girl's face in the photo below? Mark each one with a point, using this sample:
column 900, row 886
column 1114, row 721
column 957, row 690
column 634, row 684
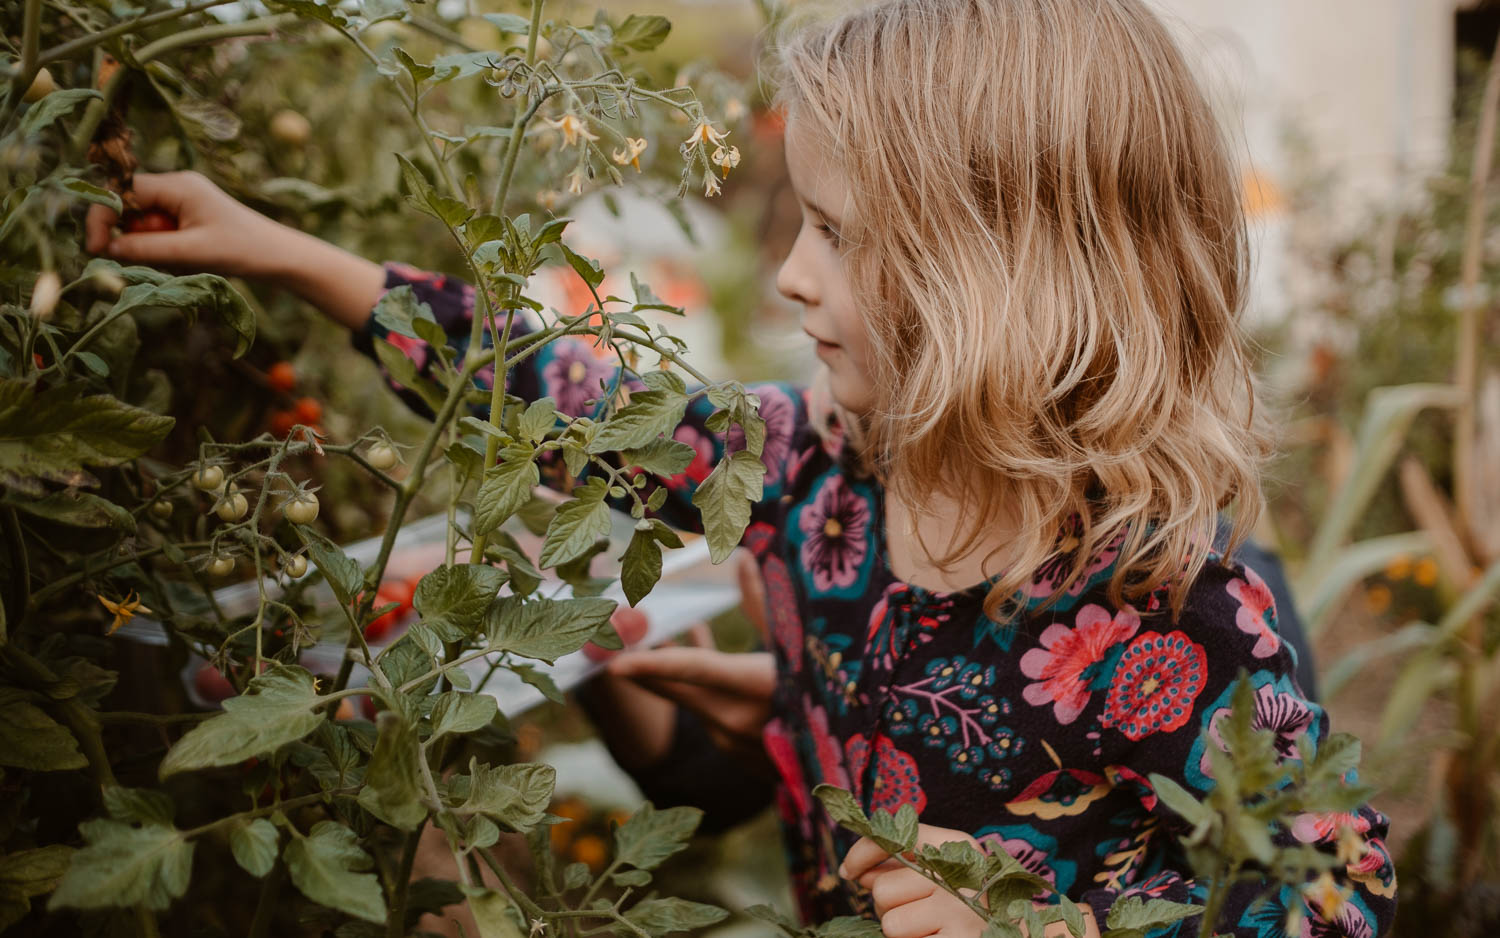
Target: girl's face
column 813, row 274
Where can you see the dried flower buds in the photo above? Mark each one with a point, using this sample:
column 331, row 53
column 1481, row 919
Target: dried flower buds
column 726, row 159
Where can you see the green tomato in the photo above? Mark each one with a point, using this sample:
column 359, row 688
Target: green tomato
column 232, row 507
column 208, row 478
column 221, row 565
column 382, row 456
column 296, row 566
column 301, row 508
column 162, row 509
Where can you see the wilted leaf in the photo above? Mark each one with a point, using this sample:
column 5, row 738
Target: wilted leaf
column 55, row 105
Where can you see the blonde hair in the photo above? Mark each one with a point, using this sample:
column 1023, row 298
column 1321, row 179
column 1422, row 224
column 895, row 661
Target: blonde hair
column 1048, row 241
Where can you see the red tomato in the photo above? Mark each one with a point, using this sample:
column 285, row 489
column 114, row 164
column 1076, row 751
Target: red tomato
column 630, row 624
column 282, row 377
column 211, row 685
column 282, row 422
column 151, row 220
column 308, row 410
column 367, row 706
column 397, row 592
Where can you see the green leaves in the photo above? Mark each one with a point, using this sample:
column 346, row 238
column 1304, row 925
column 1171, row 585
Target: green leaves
column 449, row 211
column 43, row 113
column 462, row 713
column 641, row 563
column 651, row 836
column 254, row 846
column 398, row 309
column 192, row 294
column 404, row 372
column 1133, row 917
column 326, row 865
column 125, row 866
column 452, row 600
column 53, row 434
column 725, row 498
column 506, row 487
column 277, row 708
column 663, row 916
column 515, row 796
column 393, row 781
column 577, row 524
column 26, row 874
column 648, row 416
column 545, row 628
column 642, row 33
column 30, row 739
column 338, row 568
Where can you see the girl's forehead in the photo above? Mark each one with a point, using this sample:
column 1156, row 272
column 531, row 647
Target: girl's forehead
column 814, row 168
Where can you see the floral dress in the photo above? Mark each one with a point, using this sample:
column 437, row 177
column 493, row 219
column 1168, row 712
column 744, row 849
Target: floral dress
column 1036, row 735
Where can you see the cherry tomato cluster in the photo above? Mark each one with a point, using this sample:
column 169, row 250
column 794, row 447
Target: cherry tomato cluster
column 308, row 411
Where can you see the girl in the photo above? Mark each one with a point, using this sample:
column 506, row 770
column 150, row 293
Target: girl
column 986, row 534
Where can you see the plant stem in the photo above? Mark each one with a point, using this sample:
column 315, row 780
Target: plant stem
column 497, row 414
column 84, row 43
column 265, row 905
column 1468, row 330
column 31, row 37
column 517, row 896
column 395, row 922
column 518, row 125
column 145, row 922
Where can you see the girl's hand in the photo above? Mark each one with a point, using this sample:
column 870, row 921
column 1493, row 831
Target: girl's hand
column 731, row 692
column 215, row 233
column 909, row 905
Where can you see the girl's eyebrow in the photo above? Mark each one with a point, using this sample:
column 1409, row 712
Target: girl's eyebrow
column 827, row 216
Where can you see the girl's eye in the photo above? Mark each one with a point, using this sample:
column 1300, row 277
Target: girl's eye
column 830, row 234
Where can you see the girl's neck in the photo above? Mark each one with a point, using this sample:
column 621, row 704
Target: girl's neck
column 915, row 533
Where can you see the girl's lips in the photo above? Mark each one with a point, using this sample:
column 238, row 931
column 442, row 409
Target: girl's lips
column 824, row 347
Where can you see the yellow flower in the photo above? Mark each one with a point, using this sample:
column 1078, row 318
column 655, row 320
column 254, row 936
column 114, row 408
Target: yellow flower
column 572, row 128
column 710, row 186
column 726, row 159
column 1326, row 895
column 575, row 181
column 704, row 133
column 124, row 610
column 634, row 147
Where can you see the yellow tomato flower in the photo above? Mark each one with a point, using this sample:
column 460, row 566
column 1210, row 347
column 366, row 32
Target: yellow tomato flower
column 124, row 610
column 726, row 159
column 704, row 133
column 634, row 147
column 572, row 128
column 710, row 186
column 575, row 181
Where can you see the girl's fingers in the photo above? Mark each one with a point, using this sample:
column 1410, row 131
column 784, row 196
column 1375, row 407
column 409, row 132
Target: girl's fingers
column 921, row 918
column 96, row 225
column 897, row 888
column 862, row 858
column 746, row 675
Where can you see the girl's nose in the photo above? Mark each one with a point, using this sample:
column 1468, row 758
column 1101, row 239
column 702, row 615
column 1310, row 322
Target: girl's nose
column 794, row 280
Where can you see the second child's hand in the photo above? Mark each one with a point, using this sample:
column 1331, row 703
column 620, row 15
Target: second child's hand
column 217, row 234
column 730, row 692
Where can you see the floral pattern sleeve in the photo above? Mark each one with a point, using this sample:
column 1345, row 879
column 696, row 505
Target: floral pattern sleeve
column 579, row 379
column 1169, row 690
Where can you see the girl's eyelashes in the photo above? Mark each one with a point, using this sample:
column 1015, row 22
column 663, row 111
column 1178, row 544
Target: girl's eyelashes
column 830, row 234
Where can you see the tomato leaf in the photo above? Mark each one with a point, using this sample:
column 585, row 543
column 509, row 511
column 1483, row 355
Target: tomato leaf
column 452, row 600
column 30, row 739
column 649, row 416
column 393, row 781
column 277, row 708
column 662, row 916
column 545, row 629
column 642, row 33
column 254, row 846
column 506, row 487
column 515, row 796
column 44, row 112
column 577, row 524
column 326, row 866
column 640, row 567
column 724, row 500
column 124, row 866
column 462, row 713
column 648, row 837
column 398, row 308
column 51, row 435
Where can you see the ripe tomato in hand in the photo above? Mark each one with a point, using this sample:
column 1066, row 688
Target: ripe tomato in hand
column 151, row 220
column 630, row 624
column 282, row 377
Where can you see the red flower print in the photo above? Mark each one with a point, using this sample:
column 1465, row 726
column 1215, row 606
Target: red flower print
column 1071, row 661
column 782, row 750
column 1324, row 828
column 1256, row 613
column 414, row 349
column 781, row 607
column 835, row 525
column 780, row 415
column 703, row 460
column 1155, row 684
column 896, row 779
column 825, row 747
column 1051, row 574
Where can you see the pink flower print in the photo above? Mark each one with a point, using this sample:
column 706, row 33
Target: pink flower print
column 1256, row 613
column 780, row 415
column 896, row 779
column 1031, row 857
column 414, row 349
column 1051, row 574
column 829, row 754
column 572, row 376
column 1070, row 661
column 703, row 458
column 1283, row 713
column 1324, row 828
column 1155, row 684
column 835, row 525
column 781, row 608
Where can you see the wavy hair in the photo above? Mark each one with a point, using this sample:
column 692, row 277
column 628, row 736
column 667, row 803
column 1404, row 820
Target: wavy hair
column 1048, row 238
